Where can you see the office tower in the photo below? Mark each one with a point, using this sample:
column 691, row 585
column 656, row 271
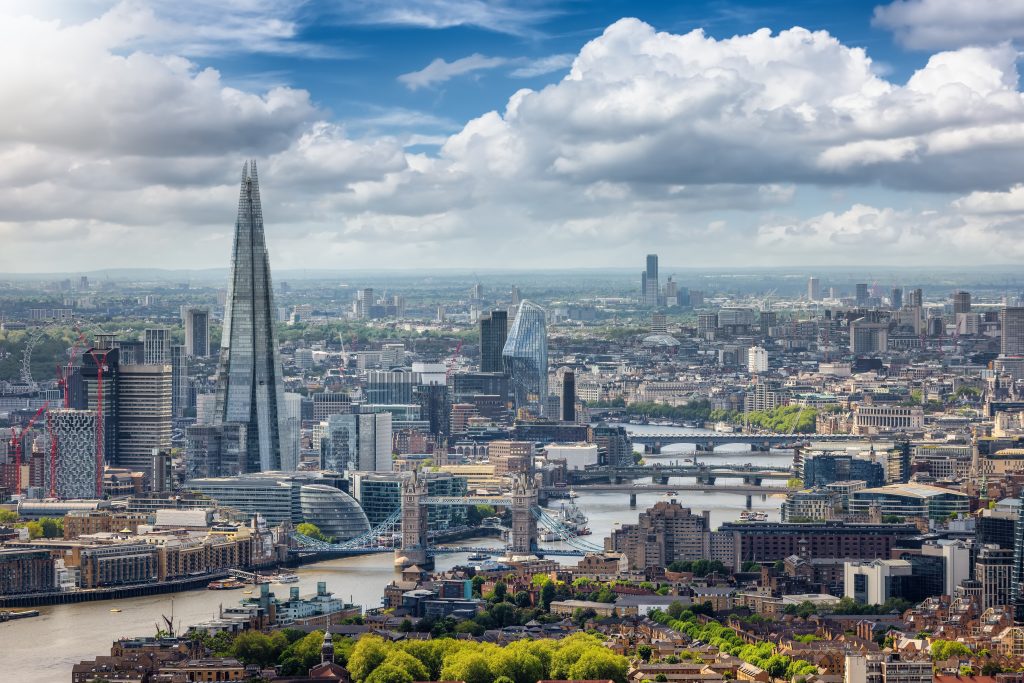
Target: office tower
column 493, row 332
column 813, row 289
column 364, row 301
column 476, row 293
column 757, row 359
column 525, row 356
column 327, row 403
column 143, row 414
column 567, row 396
column 862, row 293
column 651, row 287
column 435, row 405
column 250, row 386
column 291, row 432
column 157, row 350
column 917, row 298
column 181, row 394
column 389, row 387
column 215, row 450
column 896, row 298
column 515, row 297
column 360, row 441
column 100, row 365
column 1011, row 336
column 76, row 472
column 961, row 303
column 197, row 331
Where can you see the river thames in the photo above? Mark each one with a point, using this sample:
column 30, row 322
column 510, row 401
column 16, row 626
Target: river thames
column 43, row 649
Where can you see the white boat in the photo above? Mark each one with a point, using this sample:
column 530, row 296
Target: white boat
column 753, row 516
column 287, row 578
column 724, row 428
column 573, row 494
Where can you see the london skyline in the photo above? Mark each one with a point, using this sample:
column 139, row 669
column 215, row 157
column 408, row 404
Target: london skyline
column 735, row 135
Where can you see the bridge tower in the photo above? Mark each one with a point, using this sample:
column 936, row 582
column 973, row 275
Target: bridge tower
column 523, row 538
column 414, row 523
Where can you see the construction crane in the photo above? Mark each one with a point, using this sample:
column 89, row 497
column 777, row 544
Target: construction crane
column 452, row 360
column 17, row 439
column 101, row 367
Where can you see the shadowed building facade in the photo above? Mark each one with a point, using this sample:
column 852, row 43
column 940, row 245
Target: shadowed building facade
column 250, row 388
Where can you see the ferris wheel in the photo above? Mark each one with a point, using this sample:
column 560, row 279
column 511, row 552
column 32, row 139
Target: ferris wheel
column 37, row 334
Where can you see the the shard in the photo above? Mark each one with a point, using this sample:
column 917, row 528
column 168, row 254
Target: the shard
column 250, row 385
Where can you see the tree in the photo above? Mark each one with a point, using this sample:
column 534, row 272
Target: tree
column 522, row 599
column 253, row 647
column 304, row 653
column 944, row 649
column 313, row 531
column 500, row 591
column 8, row 516
column 367, row 655
column 407, row 663
column 52, row 528
column 547, row 594
column 467, row 666
column 389, row 673
column 675, row 610
column 644, row 652
column 518, row 665
column 580, row 615
column 405, row 626
column 599, row 664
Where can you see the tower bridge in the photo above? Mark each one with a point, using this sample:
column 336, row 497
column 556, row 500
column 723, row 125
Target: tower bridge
column 415, row 546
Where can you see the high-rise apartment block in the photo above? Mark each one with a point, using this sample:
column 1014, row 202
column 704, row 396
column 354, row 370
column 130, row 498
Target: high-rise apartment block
column 77, row 473
column 197, row 330
column 665, row 533
column 250, row 385
column 493, row 333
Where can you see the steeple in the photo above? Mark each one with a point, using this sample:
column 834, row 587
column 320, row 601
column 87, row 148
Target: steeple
column 250, row 387
column 327, row 649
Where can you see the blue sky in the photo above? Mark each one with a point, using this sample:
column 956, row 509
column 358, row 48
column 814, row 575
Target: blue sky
column 482, row 133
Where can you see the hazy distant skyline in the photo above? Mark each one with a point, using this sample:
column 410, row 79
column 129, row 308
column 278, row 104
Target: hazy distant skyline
column 439, row 133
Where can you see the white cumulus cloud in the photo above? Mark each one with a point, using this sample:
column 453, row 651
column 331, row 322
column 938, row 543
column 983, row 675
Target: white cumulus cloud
column 941, row 24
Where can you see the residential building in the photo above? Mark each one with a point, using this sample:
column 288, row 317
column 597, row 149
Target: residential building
column 197, row 331
column 663, row 534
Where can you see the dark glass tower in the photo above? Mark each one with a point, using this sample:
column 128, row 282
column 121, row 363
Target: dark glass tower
column 493, row 333
column 250, row 387
column 525, row 357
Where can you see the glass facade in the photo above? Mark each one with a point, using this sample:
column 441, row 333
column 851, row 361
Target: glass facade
column 250, row 386
column 334, row 512
column 525, row 357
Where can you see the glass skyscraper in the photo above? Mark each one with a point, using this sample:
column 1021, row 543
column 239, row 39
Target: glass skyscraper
column 525, row 357
column 250, row 388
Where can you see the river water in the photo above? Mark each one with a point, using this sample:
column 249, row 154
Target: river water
column 43, row 649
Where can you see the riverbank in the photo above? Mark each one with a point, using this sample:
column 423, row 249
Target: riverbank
column 112, row 593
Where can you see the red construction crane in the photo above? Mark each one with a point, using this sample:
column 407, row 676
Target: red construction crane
column 99, row 356
column 16, row 441
column 451, row 361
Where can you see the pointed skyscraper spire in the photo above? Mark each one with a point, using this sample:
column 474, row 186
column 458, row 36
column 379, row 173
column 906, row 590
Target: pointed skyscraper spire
column 250, row 386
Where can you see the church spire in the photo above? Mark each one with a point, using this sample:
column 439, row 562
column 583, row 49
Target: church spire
column 327, row 649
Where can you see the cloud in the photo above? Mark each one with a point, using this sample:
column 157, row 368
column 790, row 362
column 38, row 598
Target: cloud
column 544, row 65
column 942, row 24
column 723, row 151
column 518, row 18
column 439, row 71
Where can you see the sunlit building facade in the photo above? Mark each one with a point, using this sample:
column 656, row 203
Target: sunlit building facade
column 525, row 357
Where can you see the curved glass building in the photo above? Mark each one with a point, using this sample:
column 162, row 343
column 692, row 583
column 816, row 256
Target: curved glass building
column 525, row 357
column 335, row 512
